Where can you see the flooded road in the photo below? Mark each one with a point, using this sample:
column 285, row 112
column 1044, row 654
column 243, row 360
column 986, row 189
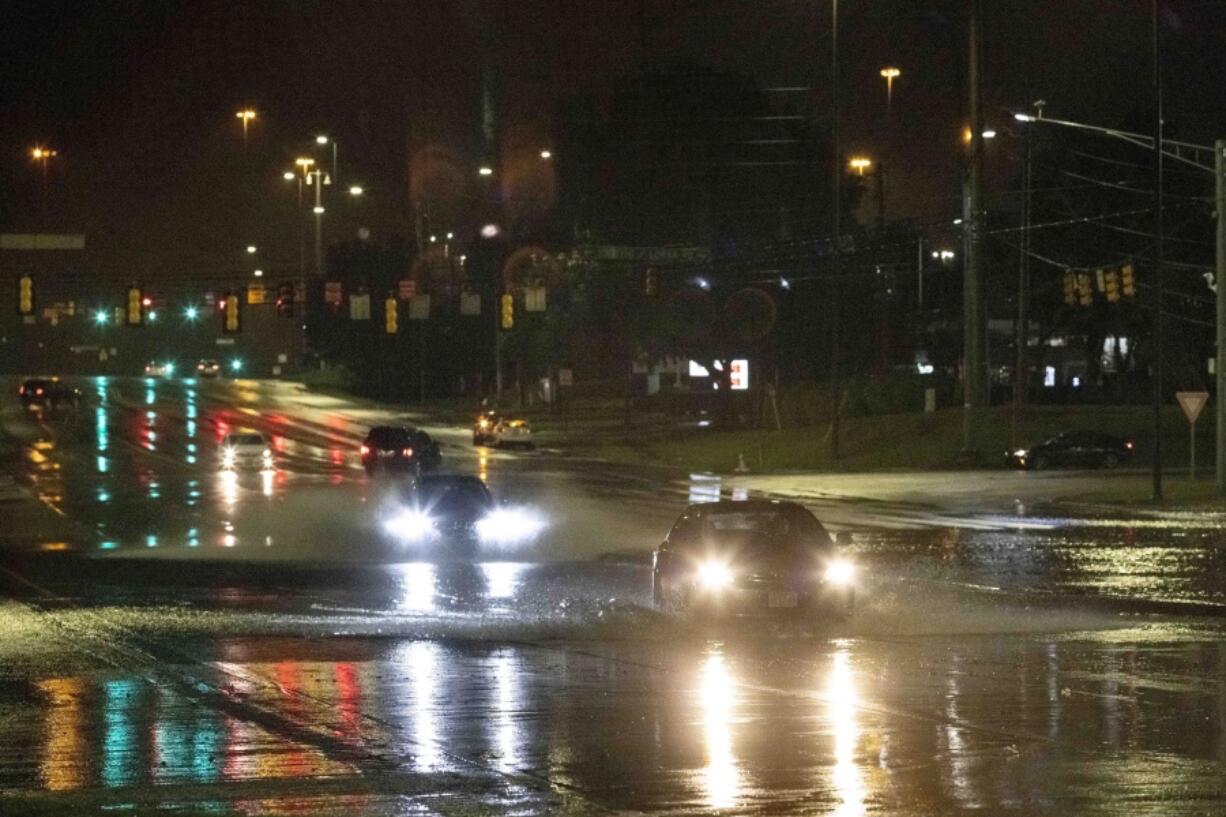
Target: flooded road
column 175, row 636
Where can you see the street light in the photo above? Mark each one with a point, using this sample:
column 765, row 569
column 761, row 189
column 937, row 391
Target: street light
column 289, row 175
column 890, row 73
column 245, row 115
column 322, row 140
column 485, row 170
column 251, row 248
column 190, row 312
column 258, row 273
column 860, row 164
column 41, row 154
column 101, row 317
column 546, row 154
column 356, row 190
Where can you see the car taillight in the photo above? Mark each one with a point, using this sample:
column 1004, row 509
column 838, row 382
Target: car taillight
column 365, row 450
column 408, row 452
column 38, row 392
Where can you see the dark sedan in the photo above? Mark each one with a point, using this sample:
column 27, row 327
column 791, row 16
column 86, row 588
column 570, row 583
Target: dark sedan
column 1075, row 449
column 751, row 556
column 399, row 448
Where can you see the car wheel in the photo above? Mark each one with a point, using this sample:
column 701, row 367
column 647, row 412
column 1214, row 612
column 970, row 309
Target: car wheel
column 1040, row 462
column 1111, row 461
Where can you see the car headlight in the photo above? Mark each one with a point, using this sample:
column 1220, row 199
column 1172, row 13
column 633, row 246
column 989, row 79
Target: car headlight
column 506, row 526
column 410, row 525
column 714, row 575
column 228, row 455
column 267, row 453
column 840, row 571
column 1020, row 453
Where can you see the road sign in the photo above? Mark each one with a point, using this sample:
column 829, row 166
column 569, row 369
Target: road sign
column 406, row 289
column 566, row 377
column 419, row 308
column 255, row 293
column 359, row 307
column 470, row 303
column 1192, row 402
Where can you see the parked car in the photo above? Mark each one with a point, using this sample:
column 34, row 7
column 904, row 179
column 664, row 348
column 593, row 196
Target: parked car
column 399, row 448
column 1078, row 449
column 47, row 394
column 738, row 557
column 510, row 431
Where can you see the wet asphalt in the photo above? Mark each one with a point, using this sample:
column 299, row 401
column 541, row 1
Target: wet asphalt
column 176, row 637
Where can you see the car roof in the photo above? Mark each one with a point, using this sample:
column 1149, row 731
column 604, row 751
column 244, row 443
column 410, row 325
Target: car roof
column 747, row 505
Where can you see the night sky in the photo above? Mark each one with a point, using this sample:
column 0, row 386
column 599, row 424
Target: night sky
column 139, row 97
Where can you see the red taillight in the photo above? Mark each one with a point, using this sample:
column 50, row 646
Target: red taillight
column 38, row 392
column 365, row 450
column 408, row 452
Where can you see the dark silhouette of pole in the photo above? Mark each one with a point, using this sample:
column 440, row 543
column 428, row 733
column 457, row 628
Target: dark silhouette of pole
column 1159, row 239
column 974, row 344
column 836, row 204
column 1022, row 333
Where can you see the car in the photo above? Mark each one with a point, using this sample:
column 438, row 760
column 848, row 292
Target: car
column 460, row 511
column 1086, row 449
column 245, row 449
column 752, row 556
column 399, row 448
column 483, row 425
column 47, row 394
column 510, row 431
column 208, row 368
column 156, row 368
column 442, row 506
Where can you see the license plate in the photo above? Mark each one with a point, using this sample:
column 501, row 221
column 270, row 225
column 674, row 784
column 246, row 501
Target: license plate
column 781, row 599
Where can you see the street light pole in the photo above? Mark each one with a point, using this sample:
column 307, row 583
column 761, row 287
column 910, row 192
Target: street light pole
column 1022, row 329
column 316, row 177
column 1159, row 249
column 835, row 207
column 1219, row 279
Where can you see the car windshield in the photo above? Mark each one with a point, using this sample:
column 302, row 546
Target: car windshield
column 445, row 496
column 246, row 439
column 387, row 436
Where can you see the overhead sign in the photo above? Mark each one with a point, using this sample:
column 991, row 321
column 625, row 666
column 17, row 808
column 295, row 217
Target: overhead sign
column 470, row 303
column 255, row 293
column 406, row 289
column 1192, row 402
column 419, row 308
column 566, row 377
column 359, row 307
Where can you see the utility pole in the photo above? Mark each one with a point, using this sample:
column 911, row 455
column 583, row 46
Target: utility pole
column 973, row 339
column 1159, row 238
column 836, row 205
column 1022, row 333
column 1219, row 280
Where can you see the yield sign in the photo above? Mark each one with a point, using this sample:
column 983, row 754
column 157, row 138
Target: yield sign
column 1192, row 402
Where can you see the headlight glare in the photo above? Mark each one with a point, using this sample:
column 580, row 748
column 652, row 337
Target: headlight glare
column 410, row 525
column 714, row 575
column 840, row 572
column 506, row 526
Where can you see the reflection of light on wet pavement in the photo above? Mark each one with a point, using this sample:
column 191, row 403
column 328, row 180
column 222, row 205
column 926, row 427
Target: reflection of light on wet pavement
column 266, row 479
column 955, row 743
column 502, row 578
column 103, row 464
column 120, row 749
column 506, row 704
column 846, row 777
column 716, row 697
column 227, row 483
column 65, row 756
column 417, row 587
column 420, row 658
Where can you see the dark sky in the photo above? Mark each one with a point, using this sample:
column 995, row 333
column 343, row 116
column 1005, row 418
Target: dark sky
column 139, row 97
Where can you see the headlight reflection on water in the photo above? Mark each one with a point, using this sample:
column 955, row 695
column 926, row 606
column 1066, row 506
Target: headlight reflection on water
column 509, row 526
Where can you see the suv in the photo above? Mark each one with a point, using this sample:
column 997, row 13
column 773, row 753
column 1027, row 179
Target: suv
column 47, row 394
column 399, row 448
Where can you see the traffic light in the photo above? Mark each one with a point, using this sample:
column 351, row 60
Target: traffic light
column 1128, row 286
column 649, row 282
column 508, row 311
column 1070, row 288
column 391, row 316
column 136, row 306
column 25, row 295
column 233, row 317
column 1112, row 286
column 1087, row 289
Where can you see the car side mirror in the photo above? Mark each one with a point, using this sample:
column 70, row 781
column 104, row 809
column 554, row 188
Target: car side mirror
column 842, row 538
